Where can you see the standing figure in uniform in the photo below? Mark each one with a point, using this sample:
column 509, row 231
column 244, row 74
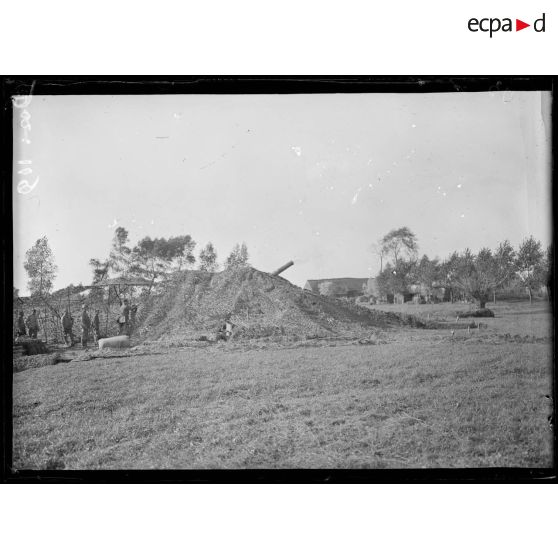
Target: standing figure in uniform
column 124, row 320
column 96, row 327
column 85, row 326
column 33, row 324
column 133, row 312
column 67, row 326
column 21, row 330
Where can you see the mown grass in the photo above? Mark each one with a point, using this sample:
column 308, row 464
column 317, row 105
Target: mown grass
column 515, row 318
column 424, row 399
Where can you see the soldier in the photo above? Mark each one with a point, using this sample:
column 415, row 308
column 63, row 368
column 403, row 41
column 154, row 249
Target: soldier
column 96, row 327
column 85, row 326
column 67, row 326
column 133, row 312
column 21, row 330
column 124, row 320
column 225, row 331
column 33, row 324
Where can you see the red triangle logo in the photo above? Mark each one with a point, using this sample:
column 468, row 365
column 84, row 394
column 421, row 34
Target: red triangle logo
column 519, row 25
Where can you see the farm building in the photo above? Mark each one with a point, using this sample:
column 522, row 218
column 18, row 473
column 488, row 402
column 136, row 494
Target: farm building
column 421, row 293
column 372, row 290
column 344, row 286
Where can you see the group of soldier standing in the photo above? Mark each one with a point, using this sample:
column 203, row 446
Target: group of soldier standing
column 30, row 324
column 88, row 326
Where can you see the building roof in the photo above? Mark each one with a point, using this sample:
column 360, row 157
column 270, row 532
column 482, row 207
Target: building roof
column 351, row 283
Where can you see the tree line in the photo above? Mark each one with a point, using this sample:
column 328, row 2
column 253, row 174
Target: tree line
column 466, row 274
column 478, row 276
column 154, row 258
column 150, row 259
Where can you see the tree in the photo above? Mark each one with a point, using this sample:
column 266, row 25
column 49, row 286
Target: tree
column 208, row 258
column 448, row 275
column 398, row 278
column 378, row 249
column 399, row 243
column 481, row 274
column 530, row 265
column 40, row 267
column 428, row 274
column 100, row 269
column 180, row 250
column 504, row 259
column 238, row 257
column 120, row 255
column 153, row 258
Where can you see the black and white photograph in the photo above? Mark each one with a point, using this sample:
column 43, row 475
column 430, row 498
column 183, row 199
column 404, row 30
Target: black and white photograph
column 283, row 280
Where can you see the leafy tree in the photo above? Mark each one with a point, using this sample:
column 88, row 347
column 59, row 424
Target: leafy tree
column 120, row 256
column 481, row 274
column 208, row 258
column 504, row 259
column 40, row 267
column 100, row 269
column 153, row 258
column 428, row 273
column 448, row 275
column 397, row 278
column 238, row 257
column 399, row 243
column 180, row 251
column 530, row 265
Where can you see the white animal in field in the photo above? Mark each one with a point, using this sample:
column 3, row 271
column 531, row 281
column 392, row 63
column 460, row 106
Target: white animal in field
column 118, row 342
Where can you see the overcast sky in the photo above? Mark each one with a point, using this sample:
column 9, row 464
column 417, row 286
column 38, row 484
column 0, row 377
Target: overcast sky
column 312, row 178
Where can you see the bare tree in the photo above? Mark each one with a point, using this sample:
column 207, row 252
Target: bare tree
column 379, row 250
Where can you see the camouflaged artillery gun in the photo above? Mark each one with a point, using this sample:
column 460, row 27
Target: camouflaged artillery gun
column 283, row 268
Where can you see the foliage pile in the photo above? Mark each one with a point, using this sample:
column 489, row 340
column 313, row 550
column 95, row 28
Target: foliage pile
column 196, row 303
column 34, row 361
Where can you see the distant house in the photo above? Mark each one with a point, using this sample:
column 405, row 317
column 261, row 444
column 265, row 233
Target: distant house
column 343, row 286
column 401, row 298
column 371, row 288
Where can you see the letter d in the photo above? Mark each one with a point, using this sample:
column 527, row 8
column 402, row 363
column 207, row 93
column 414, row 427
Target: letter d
column 541, row 30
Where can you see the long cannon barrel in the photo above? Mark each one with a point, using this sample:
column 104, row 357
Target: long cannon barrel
column 282, row 268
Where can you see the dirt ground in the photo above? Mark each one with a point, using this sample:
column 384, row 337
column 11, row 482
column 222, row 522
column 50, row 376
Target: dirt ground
column 396, row 398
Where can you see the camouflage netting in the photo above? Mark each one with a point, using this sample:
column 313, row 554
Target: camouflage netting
column 195, row 304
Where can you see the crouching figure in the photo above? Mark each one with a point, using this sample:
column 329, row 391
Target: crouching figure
column 225, row 331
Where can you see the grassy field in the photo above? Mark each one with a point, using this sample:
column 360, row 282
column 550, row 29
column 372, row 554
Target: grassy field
column 410, row 398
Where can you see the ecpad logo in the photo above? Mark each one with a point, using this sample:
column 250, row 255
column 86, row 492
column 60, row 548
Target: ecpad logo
column 493, row 25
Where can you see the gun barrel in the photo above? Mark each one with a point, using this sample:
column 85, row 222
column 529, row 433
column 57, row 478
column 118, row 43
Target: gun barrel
column 282, row 268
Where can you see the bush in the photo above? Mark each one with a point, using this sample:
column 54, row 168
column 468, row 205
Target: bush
column 480, row 313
